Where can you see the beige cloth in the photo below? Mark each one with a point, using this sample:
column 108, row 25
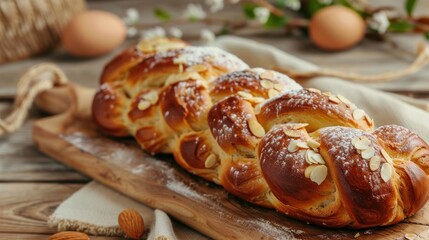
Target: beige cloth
column 95, row 208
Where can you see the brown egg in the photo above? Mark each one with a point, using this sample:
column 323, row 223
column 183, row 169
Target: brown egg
column 336, row 28
column 93, row 33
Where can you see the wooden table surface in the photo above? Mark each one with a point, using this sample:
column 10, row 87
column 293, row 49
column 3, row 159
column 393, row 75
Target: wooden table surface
column 32, row 185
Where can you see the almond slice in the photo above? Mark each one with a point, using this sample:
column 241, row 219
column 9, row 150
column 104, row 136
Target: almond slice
column 308, row 171
column 273, row 93
column 386, row 156
column 344, row 99
column 410, row 236
column 334, row 99
column 374, row 163
column 386, row 172
column 267, row 75
column 292, row 133
column 143, row 105
column 258, row 108
column 368, row 153
column 358, row 114
column 210, row 161
column 312, row 143
column 297, row 126
column 280, row 87
column 256, row 128
column 327, row 94
column 292, row 147
column 316, row 157
column 267, row 84
column 197, row 68
column 352, row 106
column 319, row 174
column 151, row 96
column 314, row 90
column 302, row 145
column 362, row 144
column 245, row 94
column 308, row 155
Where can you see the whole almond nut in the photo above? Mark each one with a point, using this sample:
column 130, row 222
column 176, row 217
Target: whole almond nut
column 69, row 235
column 131, row 223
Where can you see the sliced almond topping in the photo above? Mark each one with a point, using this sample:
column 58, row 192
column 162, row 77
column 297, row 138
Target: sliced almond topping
column 358, row 114
column 273, row 93
column 308, row 171
column 410, row 236
column 308, row 155
column 327, row 94
column 302, row 145
column 292, row 133
column 352, row 106
column 267, row 75
column 255, row 99
column 210, row 161
column 179, row 60
column 386, row 156
column 258, row 108
column 312, row 143
column 368, row 153
column 245, row 94
column 180, row 68
column 354, row 140
column 344, row 99
column 151, row 96
column 314, row 90
column 143, row 105
column 297, row 126
column 316, row 157
column 280, row 87
column 334, row 99
column 319, row 174
column 368, row 119
column 146, row 47
column 386, row 172
column 292, row 147
column 197, row 68
column 362, row 144
column 267, row 84
column 374, row 163
column 256, row 128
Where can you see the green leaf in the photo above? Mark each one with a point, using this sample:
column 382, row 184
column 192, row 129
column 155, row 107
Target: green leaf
column 346, row 3
column 400, row 26
column 248, row 10
column 409, row 6
column 162, row 14
column 275, row 21
column 427, row 35
column 281, row 3
column 313, row 6
column 225, row 30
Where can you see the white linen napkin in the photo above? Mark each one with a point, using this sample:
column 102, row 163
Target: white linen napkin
column 95, row 208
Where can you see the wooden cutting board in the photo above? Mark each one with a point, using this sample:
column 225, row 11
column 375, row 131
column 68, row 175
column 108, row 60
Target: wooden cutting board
column 159, row 182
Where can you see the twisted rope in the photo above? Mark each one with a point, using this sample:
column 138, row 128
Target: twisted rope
column 421, row 60
column 36, row 80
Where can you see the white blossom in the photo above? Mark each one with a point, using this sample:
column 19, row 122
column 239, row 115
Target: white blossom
column 207, row 36
column 131, row 31
column 131, row 16
column 152, row 33
column 379, row 22
column 215, row 5
column 261, row 14
column 175, row 32
column 194, row 11
column 326, row 2
column 293, row 4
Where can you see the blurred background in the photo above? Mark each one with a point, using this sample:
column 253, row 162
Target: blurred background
column 35, row 31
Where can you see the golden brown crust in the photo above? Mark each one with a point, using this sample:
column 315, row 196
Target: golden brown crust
column 308, row 154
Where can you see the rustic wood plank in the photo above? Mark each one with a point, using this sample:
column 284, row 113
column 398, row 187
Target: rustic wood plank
column 25, row 207
column 162, row 184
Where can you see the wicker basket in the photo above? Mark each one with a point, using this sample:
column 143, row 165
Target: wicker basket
column 29, row 27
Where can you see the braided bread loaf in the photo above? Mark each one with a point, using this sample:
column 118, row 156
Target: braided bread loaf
column 311, row 155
